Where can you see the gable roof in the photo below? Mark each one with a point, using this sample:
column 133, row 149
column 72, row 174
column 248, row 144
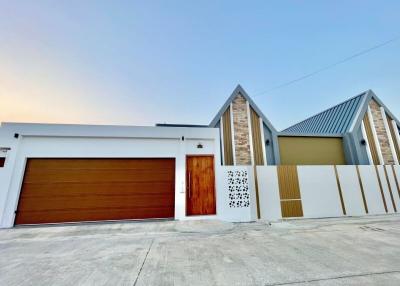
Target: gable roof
column 240, row 91
column 339, row 119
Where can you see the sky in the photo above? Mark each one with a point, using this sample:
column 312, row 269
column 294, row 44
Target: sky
column 146, row 62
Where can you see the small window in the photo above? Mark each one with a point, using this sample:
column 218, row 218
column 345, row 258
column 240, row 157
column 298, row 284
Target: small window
column 2, row 161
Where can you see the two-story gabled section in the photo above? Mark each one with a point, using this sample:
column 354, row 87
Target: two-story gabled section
column 361, row 130
column 247, row 136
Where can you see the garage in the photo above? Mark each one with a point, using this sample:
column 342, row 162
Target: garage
column 76, row 189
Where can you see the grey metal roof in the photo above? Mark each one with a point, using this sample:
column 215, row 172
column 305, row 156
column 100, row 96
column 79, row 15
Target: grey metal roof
column 335, row 120
column 240, row 90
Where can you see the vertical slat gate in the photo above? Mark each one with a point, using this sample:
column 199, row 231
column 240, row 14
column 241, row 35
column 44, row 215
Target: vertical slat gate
column 289, row 191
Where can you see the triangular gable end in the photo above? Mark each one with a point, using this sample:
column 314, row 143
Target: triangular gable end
column 363, row 109
column 240, row 91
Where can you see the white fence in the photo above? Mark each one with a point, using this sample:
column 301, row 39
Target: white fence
column 365, row 190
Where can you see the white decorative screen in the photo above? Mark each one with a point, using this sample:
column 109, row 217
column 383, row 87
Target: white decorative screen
column 238, row 187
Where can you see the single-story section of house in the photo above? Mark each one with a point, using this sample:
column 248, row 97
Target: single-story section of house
column 53, row 173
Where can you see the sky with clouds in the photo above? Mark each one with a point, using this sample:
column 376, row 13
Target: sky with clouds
column 142, row 62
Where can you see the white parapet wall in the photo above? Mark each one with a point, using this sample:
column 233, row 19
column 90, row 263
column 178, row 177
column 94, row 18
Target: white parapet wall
column 319, row 191
column 236, row 196
column 364, row 190
column 372, row 190
column 268, row 189
column 351, row 190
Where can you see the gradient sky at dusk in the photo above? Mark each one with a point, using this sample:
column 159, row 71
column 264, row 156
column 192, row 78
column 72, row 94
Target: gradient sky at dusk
column 142, row 62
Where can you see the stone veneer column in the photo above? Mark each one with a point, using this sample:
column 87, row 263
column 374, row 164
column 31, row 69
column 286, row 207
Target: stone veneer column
column 381, row 132
column 241, row 131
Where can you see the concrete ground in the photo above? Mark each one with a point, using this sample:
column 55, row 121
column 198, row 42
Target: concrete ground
column 346, row 251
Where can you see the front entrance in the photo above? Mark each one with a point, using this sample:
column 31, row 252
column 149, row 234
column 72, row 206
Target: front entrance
column 200, row 185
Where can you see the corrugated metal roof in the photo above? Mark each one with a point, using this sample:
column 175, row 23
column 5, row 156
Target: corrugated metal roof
column 335, row 120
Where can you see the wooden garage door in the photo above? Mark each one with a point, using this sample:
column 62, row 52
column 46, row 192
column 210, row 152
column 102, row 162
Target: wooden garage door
column 70, row 190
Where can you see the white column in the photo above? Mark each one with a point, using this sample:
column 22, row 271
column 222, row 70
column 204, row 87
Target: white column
column 263, row 142
column 252, row 161
column 378, row 146
column 233, row 135
column 389, row 134
column 221, row 134
column 396, row 133
column 364, row 134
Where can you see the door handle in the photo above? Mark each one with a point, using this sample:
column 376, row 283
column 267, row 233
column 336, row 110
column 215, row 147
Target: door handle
column 189, row 185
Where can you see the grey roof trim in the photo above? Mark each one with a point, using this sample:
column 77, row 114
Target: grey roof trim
column 374, row 96
column 371, row 95
column 240, row 90
column 283, row 134
column 361, row 111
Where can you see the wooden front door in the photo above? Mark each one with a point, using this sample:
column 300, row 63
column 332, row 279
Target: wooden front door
column 200, row 185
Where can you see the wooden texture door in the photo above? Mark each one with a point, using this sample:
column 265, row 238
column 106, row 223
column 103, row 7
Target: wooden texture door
column 200, row 185
column 71, row 190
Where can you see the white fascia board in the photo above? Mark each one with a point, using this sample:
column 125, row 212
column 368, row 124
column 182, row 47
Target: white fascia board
column 233, row 135
column 250, row 134
column 389, row 135
column 221, row 133
column 104, row 131
column 263, row 142
column 396, row 132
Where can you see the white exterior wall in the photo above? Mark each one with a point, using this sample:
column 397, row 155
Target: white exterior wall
column 319, row 191
column 79, row 141
column 351, row 190
column 372, row 190
column 268, row 191
column 393, row 187
column 385, row 188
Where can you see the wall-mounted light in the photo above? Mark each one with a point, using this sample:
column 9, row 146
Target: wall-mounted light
column 199, row 146
column 363, row 142
column 267, row 142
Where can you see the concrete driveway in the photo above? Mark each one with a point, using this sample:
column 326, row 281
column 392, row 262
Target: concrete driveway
column 349, row 251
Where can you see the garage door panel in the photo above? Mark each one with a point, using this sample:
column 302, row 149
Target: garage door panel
column 104, row 202
column 76, row 163
column 61, row 190
column 34, row 190
column 90, row 176
column 34, row 217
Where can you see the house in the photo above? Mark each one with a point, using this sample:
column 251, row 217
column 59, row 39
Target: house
column 232, row 169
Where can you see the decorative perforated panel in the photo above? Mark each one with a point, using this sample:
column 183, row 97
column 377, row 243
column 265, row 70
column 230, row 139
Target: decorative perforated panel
column 238, row 186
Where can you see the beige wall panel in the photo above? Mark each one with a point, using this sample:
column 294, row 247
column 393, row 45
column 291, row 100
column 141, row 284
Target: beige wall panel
column 311, row 151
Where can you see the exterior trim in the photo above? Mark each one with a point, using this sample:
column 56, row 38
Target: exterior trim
column 233, row 135
column 221, row 128
column 362, row 189
column 376, row 140
column 389, row 135
column 340, row 190
column 381, row 187
column 390, row 189
column 263, row 142
column 365, row 137
column 250, row 133
column 396, row 136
